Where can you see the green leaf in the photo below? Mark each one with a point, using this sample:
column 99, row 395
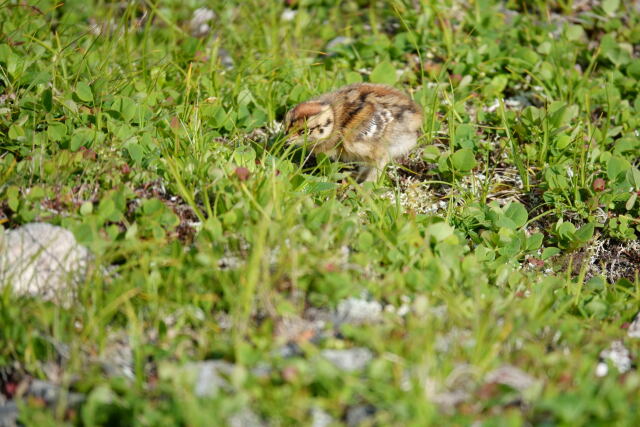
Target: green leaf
column 504, row 221
column 126, row 107
column 544, row 48
column 384, row 72
column 108, row 209
column 84, row 233
column 465, row 136
column 496, row 85
column 319, row 187
column 47, row 99
column 431, row 153
column 566, row 230
column 610, row 6
column 352, row 77
column 633, row 69
column 563, row 141
column 616, row 166
column 5, row 52
column 56, row 131
column 549, row 252
column 82, row 137
column 84, row 92
column 534, row 241
column 615, row 52
column 16, row 131
column 585, row 233
column 135, row 152
column 574, row 32
column 633, row 177
column 71, row 105
column 517, row 213
column 562, row 114
column 245, row 97
column 35, row 193
column 632, row 201
column 151, row 206
column 440, row 231
column 463, row 160
column 511, row 248
column 528, row 55
column 86, row 208
column 13, row 196
column 365, row 241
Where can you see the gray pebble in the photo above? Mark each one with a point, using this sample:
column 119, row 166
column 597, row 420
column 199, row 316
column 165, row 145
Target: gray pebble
column 349, row 360
column 40, row 259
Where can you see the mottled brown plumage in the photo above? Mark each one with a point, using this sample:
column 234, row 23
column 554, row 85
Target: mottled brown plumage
column 366, row 123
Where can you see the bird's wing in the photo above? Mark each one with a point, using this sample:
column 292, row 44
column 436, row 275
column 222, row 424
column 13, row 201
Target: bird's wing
column 375, row 125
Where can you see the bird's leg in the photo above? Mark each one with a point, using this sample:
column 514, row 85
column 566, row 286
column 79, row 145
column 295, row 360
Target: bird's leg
column 368, row 173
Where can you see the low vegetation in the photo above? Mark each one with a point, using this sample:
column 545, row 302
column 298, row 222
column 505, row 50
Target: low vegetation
column 491, row 276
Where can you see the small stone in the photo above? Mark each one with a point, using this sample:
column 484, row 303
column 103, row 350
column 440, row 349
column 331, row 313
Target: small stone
column 297, row 329
column 43, row 390
column 517, row 102
column 50, row 393
column 350, row 360
column 356, row 415
column 225, row 58
column 245, row 418
column 619, row 355
column 357, row 311
column 634, row 328
column 493, row 107
column 512, row 377
column 288, row 15
column 117, row 357
column 8, row 414
column 210, row 377
column 199, row 24
column 43, row 260
column 320, row 418
column 261, row 370
column 207, row 377
column 291, row 349
column 339, row 41
column 602, row 369
column 448, row 400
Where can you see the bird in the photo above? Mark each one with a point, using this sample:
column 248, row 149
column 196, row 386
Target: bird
column 366, row 123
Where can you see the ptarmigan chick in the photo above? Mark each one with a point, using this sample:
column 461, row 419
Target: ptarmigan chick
column 366, row 123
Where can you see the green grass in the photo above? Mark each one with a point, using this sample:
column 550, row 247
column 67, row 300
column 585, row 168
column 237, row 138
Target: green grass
column 498, row 232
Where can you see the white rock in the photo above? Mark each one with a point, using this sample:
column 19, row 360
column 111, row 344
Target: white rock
column 350, row 360
column 288, row 15
column 245, row 418
column 602, row 369
column 448, row 400
column 357, row 311
column 199, row 24
column 42, row 260
column 619, row 355
column 493, row 107
column 320, row 418
column 634, row 327
column 359, row 415
column 512, row 377
column 210, row 376
column 338, row 41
